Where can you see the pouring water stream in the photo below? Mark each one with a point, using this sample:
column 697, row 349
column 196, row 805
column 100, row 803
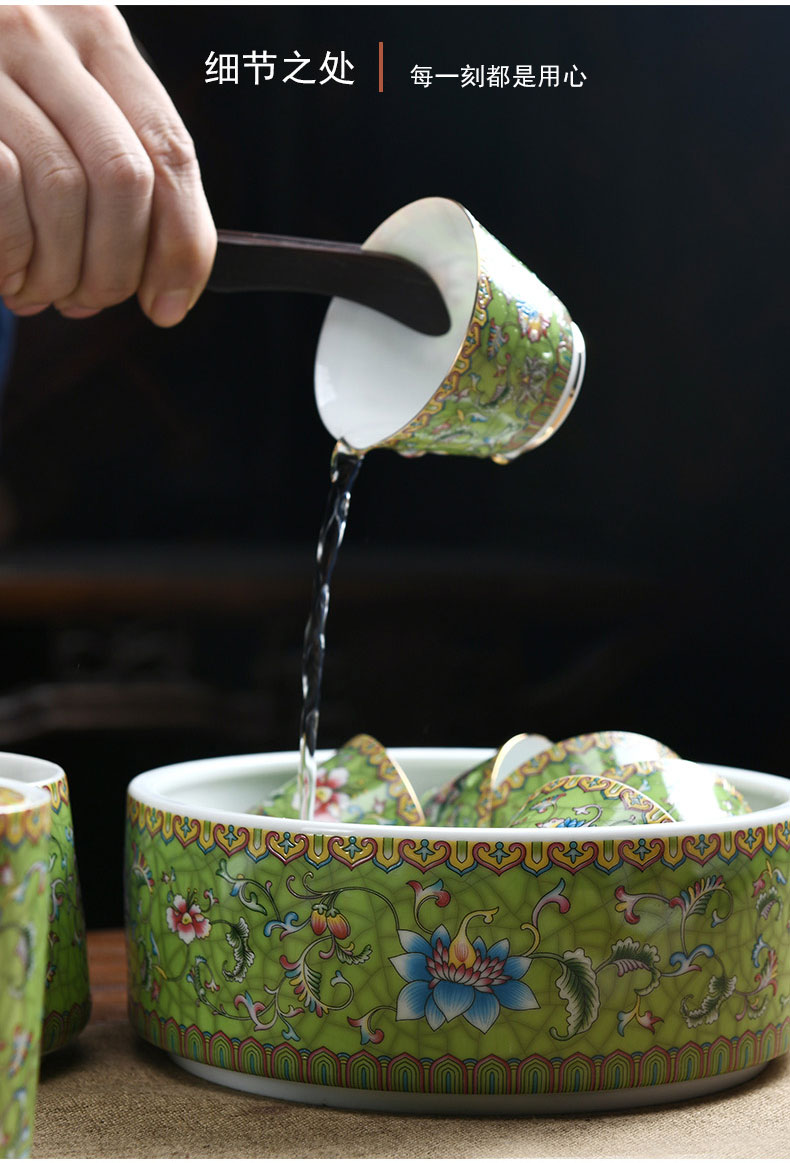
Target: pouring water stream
column 344, row 466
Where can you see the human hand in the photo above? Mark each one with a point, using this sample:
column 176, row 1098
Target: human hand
column 100, row 190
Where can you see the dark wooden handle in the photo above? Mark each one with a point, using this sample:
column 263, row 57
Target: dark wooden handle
column 384, row 282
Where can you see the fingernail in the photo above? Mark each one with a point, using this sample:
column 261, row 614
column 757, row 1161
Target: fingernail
column 78, row 312
column 27, row 308
column 170, row 307
column 13, row 284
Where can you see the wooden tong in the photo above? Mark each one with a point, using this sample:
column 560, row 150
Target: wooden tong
column 384, row 282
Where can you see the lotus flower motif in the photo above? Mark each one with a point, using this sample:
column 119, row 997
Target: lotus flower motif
column 457, row 977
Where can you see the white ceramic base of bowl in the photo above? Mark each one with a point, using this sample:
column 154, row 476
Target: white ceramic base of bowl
column 400, row 1102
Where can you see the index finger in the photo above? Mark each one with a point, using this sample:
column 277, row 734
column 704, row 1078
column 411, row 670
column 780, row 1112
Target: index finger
column 182, row 238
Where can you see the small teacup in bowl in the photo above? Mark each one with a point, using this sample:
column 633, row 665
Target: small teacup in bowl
column 67, row 1001
column 686, row 790
column 465, row 801
column 359, row 784
column 419, row 968
column 519, row 775
column 575, row 801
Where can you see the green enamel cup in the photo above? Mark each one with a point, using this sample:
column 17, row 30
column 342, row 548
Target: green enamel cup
column 67, row 999
column 575, row 801
column 499, row 382
column 359, row 784
column 685, row 789
column 24, row 900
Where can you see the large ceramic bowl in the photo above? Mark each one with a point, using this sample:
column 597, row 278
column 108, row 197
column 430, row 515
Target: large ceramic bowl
column 454, row 970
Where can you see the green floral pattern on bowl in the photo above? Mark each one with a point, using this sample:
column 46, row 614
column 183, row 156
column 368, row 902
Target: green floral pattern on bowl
column 435, row 965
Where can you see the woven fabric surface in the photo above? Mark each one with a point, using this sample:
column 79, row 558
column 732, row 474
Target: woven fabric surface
column 112, row 1096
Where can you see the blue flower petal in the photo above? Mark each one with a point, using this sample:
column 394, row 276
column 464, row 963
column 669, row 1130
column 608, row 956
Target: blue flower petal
column 411, row 1001
column 516, row 967
column 479, row 946
column 411, row 966
column 452, row 998
column 483, row 1012
column 500, row 950
column 437, row 935
column 433, row 1014
column 516, row 996
column 413, row 942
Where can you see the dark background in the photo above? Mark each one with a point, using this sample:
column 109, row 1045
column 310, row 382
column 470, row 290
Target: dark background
column 160, row 492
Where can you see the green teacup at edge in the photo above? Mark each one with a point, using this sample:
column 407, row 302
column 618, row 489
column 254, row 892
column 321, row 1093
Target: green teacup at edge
column 24, row 884
column 67, row 998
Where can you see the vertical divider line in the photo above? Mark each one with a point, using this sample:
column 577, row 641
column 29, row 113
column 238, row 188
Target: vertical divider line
column 381, row 66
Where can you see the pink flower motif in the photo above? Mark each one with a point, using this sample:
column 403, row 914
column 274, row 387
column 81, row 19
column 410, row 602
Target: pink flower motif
column 435, row 892
column 533, row 325
column 185, row 918
column 626, row 902
column 330, row 802
column 648, row 1020
column 324, row 916
column 256, row 1010
column 766, row 978
column 367, row 1031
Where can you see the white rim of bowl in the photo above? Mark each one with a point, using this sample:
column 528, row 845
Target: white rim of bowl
column 144, row 789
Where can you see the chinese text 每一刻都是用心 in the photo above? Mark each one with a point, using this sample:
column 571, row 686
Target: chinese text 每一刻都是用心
column 502, row 76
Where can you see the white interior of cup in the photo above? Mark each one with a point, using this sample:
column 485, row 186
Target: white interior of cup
column 690, row 788
column 516, row 751
column 28, row 769
column 221, row 790
column 521, row 748
column 372, row 374
column 30, row 796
